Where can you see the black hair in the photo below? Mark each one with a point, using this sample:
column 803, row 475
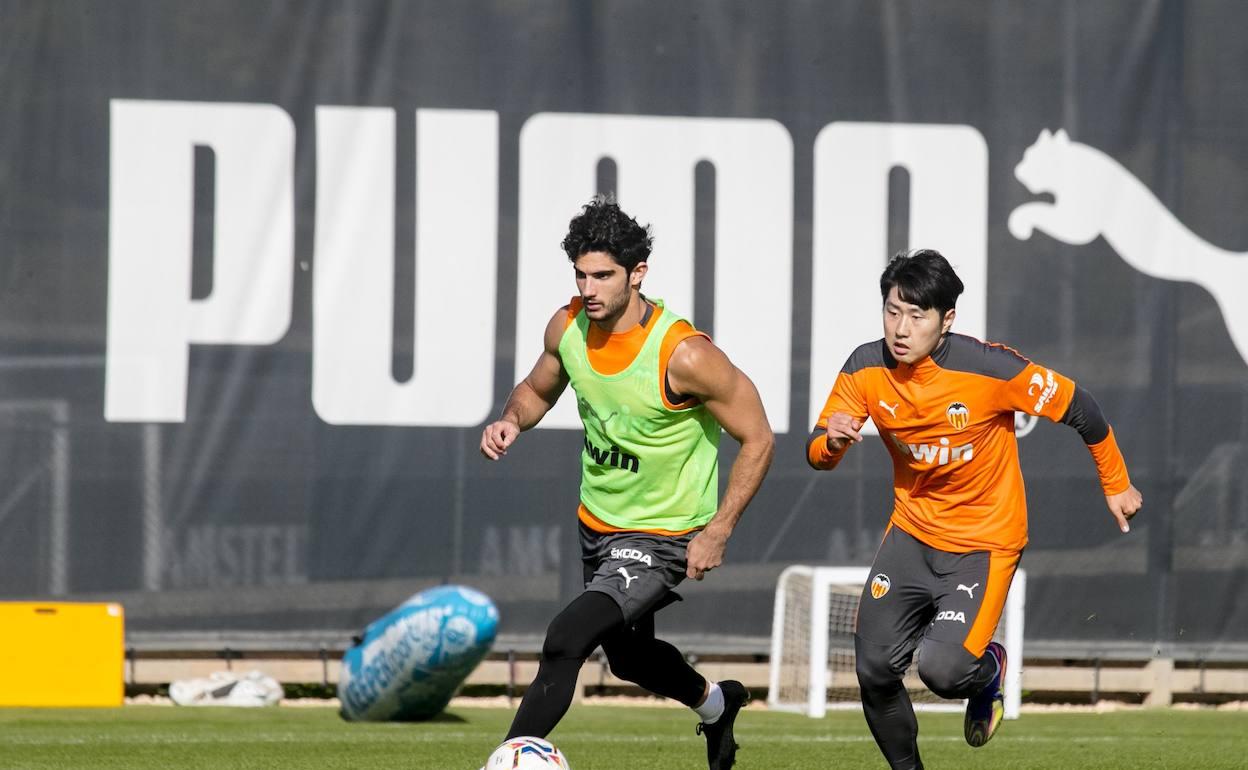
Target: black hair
column 923, row 277
column 602, row 226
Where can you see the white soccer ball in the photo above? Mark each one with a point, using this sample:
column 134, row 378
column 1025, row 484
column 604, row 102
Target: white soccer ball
column 526, row 753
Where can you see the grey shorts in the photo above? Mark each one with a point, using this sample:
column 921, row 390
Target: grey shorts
column 636, row 569
column 917, row 592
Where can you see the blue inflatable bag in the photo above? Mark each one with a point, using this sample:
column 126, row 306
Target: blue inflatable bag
column 408, row 663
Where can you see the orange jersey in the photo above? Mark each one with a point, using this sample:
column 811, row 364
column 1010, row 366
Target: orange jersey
column 612, row 353
column 948, row 423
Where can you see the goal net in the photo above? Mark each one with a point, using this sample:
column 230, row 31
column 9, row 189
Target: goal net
column 812, row 643
column 34, row 497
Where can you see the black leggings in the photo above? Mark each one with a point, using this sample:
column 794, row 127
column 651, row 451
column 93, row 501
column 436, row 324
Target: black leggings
column 633, row 652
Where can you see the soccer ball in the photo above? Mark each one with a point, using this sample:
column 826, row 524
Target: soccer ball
column 526, row 754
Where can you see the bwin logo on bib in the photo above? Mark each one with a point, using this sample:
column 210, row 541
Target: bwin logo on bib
column 613, row 457
column 951, row 615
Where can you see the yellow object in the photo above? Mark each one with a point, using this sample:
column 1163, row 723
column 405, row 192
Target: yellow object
column 61, row 654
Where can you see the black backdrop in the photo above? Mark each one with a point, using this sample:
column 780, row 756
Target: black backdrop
column 253, row 514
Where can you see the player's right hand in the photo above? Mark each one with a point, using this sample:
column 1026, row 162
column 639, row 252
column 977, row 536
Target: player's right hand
column 497, row 436
column 843, row 430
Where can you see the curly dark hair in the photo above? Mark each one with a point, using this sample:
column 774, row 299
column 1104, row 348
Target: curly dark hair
column 602, row 226
column 923, row 277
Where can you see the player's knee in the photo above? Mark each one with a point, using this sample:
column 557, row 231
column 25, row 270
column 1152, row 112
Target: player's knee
column 581, row 626
column 876, row 674
column 942, row 681
column 566, row 639
column 946, row 669
column 630, row 668
column 874, row 665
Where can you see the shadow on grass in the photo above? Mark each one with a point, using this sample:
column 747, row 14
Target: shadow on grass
column 442, row 718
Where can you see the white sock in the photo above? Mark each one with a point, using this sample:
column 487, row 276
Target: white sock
column 712, row 705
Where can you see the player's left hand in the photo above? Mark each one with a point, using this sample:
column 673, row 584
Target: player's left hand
column 705, row 552
column 1125, row 505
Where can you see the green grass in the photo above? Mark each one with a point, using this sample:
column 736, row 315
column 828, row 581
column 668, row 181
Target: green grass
column 597, row 738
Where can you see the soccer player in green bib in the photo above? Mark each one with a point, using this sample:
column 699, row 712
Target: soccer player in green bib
column 653, row 394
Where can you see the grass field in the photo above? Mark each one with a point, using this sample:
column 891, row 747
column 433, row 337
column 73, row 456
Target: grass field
column 597, row 738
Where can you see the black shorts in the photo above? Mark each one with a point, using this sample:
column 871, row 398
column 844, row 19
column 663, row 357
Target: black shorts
column 636, row 569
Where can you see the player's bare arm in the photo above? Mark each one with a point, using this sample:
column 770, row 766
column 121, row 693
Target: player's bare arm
column 533, row 397
column 698, row 368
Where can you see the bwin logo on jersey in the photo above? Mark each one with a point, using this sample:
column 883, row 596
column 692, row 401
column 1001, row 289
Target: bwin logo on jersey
column 951, row 615
column 632, row 554
column 935, row 454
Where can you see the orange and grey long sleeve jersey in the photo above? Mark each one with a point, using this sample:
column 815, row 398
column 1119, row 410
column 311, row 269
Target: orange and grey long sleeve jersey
column 948, row 423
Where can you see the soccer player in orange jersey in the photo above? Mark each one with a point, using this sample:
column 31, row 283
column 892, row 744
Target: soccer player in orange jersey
column 944, row 404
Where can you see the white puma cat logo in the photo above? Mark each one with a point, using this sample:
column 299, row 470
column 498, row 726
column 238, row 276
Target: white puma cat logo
column 891, row 409
column 628, row 579
column 968, row 589
column 1094, row 195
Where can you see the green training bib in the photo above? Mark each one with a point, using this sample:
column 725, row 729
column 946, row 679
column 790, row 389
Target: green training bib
column 644, row 465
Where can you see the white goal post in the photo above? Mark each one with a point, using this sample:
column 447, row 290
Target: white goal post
column 812, row 643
